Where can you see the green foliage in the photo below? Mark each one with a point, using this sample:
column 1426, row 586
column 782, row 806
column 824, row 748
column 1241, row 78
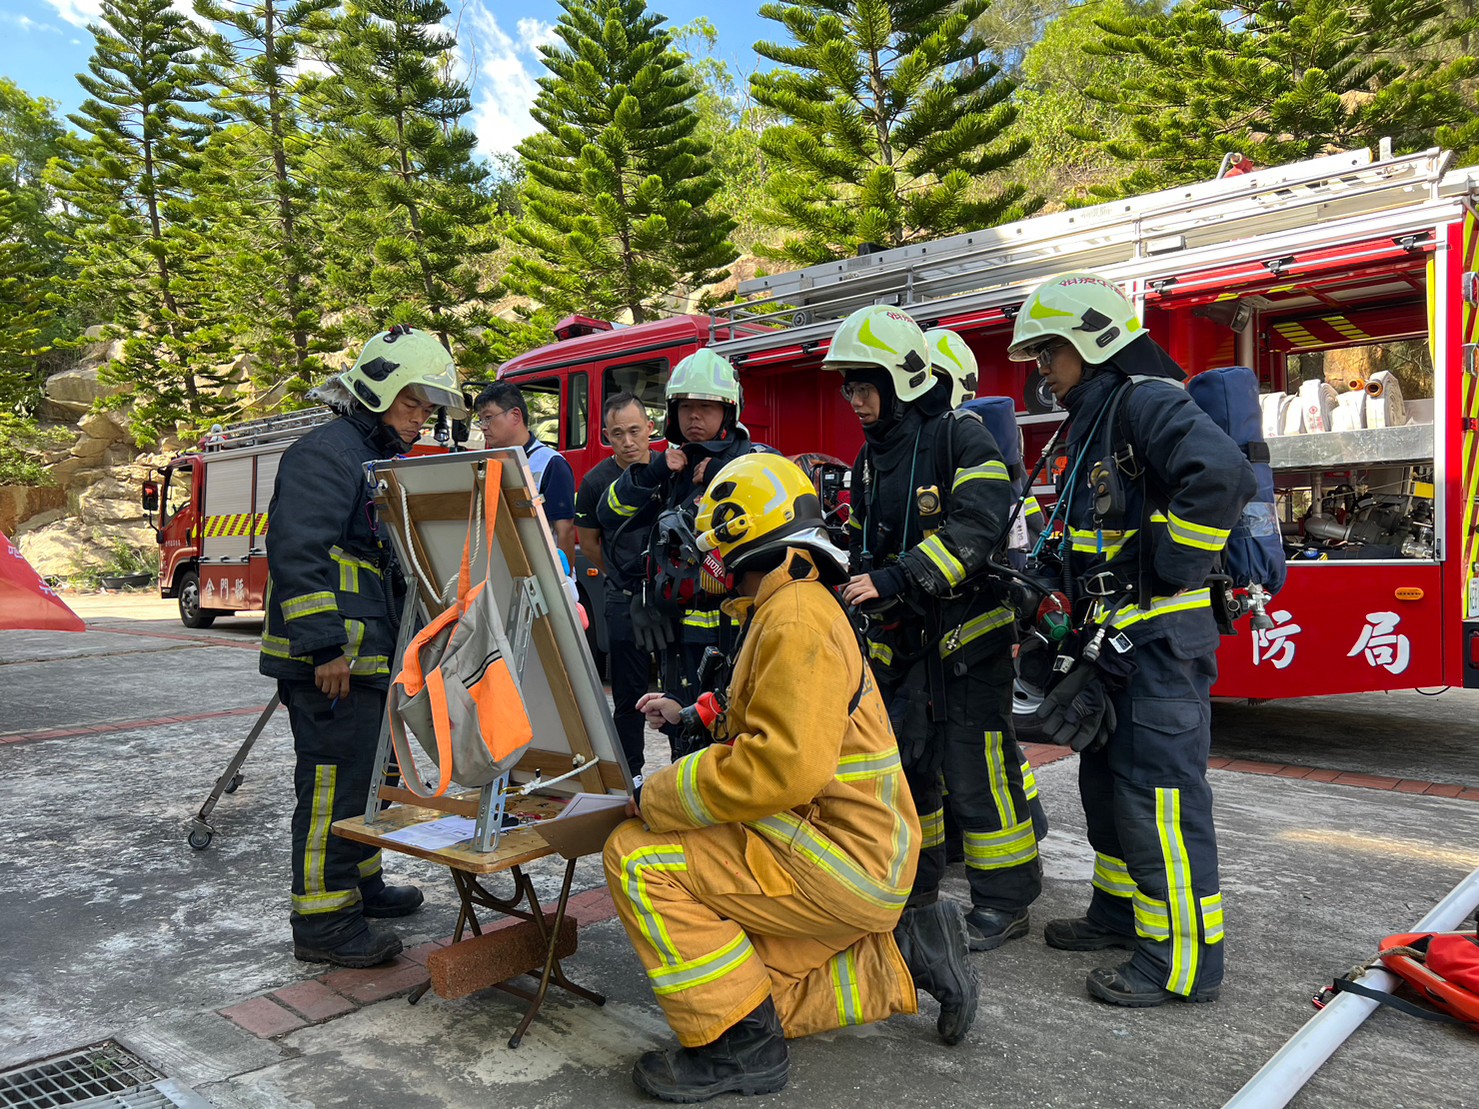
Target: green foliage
column 730, row 123
column 257, row 190
column 121, row 560
column 415, row 223
column 33, row 302
column 892, row 119
column 22, row 441
column 136, row 246
column 617, row 206
column 27, row 313
column 1285, row 80
column 1068, row 127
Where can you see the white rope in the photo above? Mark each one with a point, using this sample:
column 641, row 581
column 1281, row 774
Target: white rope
column 425, row 578
column 448, row 591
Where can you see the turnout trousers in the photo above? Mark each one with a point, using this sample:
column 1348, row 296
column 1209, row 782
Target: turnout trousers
column 631, row 676
column 978, row 761
column 1149, row 813
column 335, row 748
column 720, row 922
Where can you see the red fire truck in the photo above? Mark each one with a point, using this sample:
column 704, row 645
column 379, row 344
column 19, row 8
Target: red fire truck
column 209, row 511
column 1347, row 274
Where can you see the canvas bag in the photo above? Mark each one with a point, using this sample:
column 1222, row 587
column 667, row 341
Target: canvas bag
column 455, row 692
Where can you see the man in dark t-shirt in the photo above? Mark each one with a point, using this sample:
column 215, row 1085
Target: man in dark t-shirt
column 618, row 553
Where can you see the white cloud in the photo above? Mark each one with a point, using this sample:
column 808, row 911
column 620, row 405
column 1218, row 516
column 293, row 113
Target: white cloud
column 502, row 73
column 26, row 23
column 79, row 13
column 534, row 33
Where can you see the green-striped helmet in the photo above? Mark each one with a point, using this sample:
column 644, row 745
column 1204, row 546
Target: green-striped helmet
column 703, row 375
column 404, row 358
column 879, row 337
column 1084, row 308
column 950, row 356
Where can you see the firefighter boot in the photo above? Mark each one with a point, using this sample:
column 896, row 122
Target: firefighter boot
column 1082, row 934
column 343, row 940
column 932, row 940
column 750, row 1057
column 389, row 901
column 987, row 929
column 1130, row 986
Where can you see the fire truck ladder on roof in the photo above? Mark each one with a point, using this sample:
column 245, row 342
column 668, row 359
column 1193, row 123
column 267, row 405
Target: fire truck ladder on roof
column 1262, row 214
column 268, row 429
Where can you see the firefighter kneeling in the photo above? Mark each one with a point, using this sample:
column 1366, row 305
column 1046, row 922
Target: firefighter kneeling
column 762, row 884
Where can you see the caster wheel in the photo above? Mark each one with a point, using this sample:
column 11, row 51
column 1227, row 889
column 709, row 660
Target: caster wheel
column 200, row 838
column 235, row 783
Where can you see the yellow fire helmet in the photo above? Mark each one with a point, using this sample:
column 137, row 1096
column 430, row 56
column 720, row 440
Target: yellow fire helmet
column 1089, row 311
column 402, row 358
column 764, row 502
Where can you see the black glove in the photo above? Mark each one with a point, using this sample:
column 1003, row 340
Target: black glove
column 652, row 628
column 908, row 712
column 1077, row 712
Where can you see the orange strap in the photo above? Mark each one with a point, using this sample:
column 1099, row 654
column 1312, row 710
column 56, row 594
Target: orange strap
column 410, row 774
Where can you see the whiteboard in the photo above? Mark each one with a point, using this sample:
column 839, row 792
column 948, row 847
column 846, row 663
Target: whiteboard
column 423, row 504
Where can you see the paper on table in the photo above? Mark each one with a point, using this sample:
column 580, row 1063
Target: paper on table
column 435, row 834
column 583, row 803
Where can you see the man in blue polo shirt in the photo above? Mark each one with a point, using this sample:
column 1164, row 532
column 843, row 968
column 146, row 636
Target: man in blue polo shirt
column 503, row 414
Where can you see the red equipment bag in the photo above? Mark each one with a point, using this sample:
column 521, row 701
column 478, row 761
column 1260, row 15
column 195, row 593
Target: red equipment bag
column 1442, row 968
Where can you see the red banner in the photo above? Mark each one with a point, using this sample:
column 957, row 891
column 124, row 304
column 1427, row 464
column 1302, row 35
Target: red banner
column 28, row 602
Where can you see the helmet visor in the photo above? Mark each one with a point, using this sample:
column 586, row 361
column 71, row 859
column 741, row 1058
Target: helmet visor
column 454, row 403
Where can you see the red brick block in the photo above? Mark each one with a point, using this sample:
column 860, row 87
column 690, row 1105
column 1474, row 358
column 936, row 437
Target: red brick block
column 1366, row 781
column 263, row 1017
column 1469, row 795
column 420, row 954
column 591, row 907
column 1408, row 785
column 1320, row 774
column 1217, row 762
column 1443, row 789
column 378, row 983
column 1247, row 766
column 313, row 999
column 1293, row 772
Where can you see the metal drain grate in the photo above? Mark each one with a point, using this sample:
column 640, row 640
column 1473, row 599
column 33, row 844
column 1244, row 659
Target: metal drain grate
column 77, row 1077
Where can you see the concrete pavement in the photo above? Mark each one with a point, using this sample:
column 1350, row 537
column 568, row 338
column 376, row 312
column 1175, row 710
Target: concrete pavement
column 118, row 929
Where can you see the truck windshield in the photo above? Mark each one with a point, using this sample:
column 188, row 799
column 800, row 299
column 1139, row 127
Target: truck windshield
column 648, row 380
column 177, row 490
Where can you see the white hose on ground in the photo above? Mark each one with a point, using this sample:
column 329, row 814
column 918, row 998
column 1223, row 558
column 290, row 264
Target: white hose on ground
column 1275, row 1085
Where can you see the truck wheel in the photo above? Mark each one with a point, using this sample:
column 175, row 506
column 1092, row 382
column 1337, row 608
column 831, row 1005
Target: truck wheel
column 191, row 614
column 1039, row 397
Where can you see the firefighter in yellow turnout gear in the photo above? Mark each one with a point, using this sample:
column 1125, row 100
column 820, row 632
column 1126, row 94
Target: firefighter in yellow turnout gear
column 762, row 884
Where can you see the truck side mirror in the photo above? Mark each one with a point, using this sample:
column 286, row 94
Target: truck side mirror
column 150, row 499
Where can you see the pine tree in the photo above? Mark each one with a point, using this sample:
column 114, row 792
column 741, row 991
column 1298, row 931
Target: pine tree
column 1285, row 80
column 258, row 188
column 26, row 312
column 617, row 205
column 891, row 124
column 417, row 220
column 34, row 302
column 132, row 238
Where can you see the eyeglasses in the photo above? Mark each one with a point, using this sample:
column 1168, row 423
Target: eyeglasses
column 1046, row 353
column 861, row 389
column 487, row 417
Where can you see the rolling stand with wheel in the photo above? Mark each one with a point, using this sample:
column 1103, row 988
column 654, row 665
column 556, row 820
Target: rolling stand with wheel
column 201, row 830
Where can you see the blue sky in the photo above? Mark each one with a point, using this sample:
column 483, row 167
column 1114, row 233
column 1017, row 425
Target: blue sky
column 44, row 44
